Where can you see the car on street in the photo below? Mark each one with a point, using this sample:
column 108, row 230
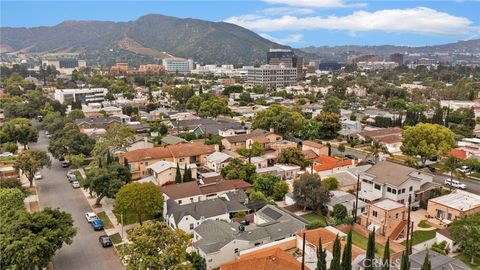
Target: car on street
column 38, row 176
column 350, row 156
column 105, row 241
column 455, row 183
column 6, row 154
column 75, row 184
column 90, row 216
column 97, row 225
column 433, row 158
column 370, row 161
column 71, row 177
column 64, row 164
column 464, row 169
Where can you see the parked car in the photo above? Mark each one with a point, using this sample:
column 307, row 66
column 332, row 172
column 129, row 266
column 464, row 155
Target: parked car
column 350, row 156
column 90, row 216
column 464, row 169
column 434, row 158
column 64, row 164
column 6, row 154
column 75, row 184
column 455, row 183
column 62, row 158
column 97, row 225
column 71, row 177
column 370, row 161
column 38, row 176
column 105, row 241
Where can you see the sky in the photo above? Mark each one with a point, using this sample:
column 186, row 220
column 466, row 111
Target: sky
column 298, row 23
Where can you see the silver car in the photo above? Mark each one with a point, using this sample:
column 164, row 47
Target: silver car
column 75, row 184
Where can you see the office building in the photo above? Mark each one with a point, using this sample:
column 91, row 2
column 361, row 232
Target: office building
column 84, row 95
column 64, row 63
column 329, row 66
column 286, row 58
column 397, row 58
column 272, row 76
column 119, row 68
column 177, row 65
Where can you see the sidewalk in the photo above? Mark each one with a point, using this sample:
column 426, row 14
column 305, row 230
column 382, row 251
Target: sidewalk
column 32, row 203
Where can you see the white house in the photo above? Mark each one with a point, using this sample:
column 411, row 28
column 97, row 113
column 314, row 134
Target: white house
column 217, row 160
column 165, row 171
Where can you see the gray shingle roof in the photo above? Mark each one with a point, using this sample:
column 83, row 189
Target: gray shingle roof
column 438, row 261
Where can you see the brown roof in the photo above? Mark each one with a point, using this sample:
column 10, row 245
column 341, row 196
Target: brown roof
column 177, row 150
column 190, row 189
column 395, row 138
column 313, row 144
column 390, row 173
column 270, row 259
column 309, row 154
column 244, row 137
column 381, row 132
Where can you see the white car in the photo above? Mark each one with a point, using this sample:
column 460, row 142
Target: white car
column 455, row 183
column 75, row 184
column 464, row 169
column 38, row 176
column 6, row 154
column 90, row 216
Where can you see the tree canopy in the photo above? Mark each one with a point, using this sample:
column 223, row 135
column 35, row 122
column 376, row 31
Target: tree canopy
column 281, row 119
column 309, row 192
column 32, row 161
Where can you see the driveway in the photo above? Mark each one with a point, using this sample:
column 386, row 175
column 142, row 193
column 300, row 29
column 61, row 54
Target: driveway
column 55, row 191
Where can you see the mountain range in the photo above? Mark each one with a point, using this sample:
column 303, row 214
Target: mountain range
column 153, row 37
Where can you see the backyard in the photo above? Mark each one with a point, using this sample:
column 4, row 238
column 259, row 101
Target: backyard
column 421, row 236
column 362, row 242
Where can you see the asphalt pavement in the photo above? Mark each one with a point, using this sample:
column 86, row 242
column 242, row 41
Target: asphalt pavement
column 55, row 191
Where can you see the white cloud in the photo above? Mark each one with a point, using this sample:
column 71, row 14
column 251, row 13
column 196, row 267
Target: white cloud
column 420, row 20
column 314, row 3
column 278, row 11
column 294, row 38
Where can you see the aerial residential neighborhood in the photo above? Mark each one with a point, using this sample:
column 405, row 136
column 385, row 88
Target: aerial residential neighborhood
column 240, row 136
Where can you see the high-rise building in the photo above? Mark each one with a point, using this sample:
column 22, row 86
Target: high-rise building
column 177, row 65
column 65, row 63
column 287, row 58
column 397, row 58
column 272, row 76
column 362, row 58
column 329, row 66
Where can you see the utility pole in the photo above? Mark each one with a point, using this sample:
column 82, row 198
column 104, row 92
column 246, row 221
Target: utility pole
column 408, row 224
column 303, row 252
column 356, row 199
column 411, row 242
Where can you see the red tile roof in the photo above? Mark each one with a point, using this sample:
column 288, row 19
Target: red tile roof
column 169, row 151
column 458, row 153
column 270, row 259
column 324, row 163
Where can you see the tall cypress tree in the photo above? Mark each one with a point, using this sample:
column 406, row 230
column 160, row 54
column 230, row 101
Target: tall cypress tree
column 347, row 253
column 427, row 265
column 386, row 256
column 178, row 175
column 187, row 176
column 335, row 263
column 321, row 257
column 405, row 263
column 370, row 256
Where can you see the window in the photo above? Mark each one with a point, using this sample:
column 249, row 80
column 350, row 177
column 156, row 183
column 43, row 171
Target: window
column 236, row 250
column 179, row 201
column 191, row 226
column 389, row 189
column 210, row 260
column 394, row 191
column 374, row 213
column 191, row 199
column 396, row 215
column 449, row 216
column 257, row 244
column 410, row 189
column 377, row 186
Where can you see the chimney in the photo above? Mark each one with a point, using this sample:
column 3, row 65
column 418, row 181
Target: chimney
column 272, row 130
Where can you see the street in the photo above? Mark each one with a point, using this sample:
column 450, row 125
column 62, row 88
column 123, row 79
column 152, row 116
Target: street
column 55, row 191
column 472, row 185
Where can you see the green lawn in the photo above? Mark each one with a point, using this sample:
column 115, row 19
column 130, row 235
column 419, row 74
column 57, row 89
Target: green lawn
column 127, row 219
column 475, row 174
column 116, row 238
column 421, row 236
column 362, row 242
column 314, row 217
column 79, row 178
column 106, row 221
column 465, row 259
column 423, row 224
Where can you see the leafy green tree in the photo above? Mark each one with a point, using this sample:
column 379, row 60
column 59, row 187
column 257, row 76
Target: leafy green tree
column 340, row 211
column 76, row 160
column 178, row 175
column 335, row 262
column 75, row 114
column 32, row 161
column 232, row 89
column 283, row 120
column 265, row 183
column 116, row 137
column 255, row 196
column 341, row 148
column 144, row 200
column 197, row 261
column 465, row 231
column 181, row 95
column 330, row 125
column 20, row 130
column 255, row 150
column 309, row 192
column 187, row 174
column 29, row 240
column 107, row 180
column 279, row 190
column 386, row 256
column 370, row 256
column 70, row 141
column 347, row 253
column 10, row 147
column 292, row 155
column 310, row 130
column 157, row 246
column 13, row 183
column 236, row 169
column 332, row 105
column 53, row 122
column 245, row 99
column 214, row 108
column 427, row 140
column 321, row 256
column 11, row 199
column 194, row 103
column 331, row 183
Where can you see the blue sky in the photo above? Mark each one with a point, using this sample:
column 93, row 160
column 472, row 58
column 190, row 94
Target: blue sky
column 298, row 23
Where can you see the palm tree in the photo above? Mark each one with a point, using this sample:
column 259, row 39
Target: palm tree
column 376, row 147
column 451, row 164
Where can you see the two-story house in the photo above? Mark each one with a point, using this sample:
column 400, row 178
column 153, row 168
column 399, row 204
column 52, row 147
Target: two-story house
column 388, row 180
column 246, row 140
column 217, row 160
column 386, row 217
column 164, row 172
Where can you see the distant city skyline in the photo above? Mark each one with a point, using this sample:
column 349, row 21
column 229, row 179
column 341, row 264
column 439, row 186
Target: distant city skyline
column 299, row 23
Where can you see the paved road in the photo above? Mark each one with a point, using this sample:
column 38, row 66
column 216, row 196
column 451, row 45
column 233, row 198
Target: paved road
column 472, row 185
column 359, row 155
column 85, row 252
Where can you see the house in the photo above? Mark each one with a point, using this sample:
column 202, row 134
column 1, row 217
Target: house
column 263, row 137
column 208, row 126
column 188, row 216
column 265, row 259
column 164, row 172
column 220, row 242
column 98, row 123
column 185, row 153
column 217, row 160
column 172, row 140
column 140, row 143
column 444, row 235
column 205, row 189
column 259, row 162
column 386, row 217
column 346, row 199
column 318, row 148
column 281, row 145
column 390, row 137
column 456, row 204
column 324, row 165
column 283, row 171
column 438, row 261
column 388, row 180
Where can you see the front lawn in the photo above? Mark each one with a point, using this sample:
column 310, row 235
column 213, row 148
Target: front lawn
column 424, row 224
column 421, row 236
column 127, row 219
column 362, row 242
column 79, row 177
column 314, row 217
column 116, row 238
column 106, row 221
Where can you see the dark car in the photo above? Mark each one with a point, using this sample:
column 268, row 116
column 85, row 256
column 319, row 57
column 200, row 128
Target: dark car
column 350, row 156
column 64, row 164
column 370, row 161
column 105, row 241
column 97, row 225
column 434, row 158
